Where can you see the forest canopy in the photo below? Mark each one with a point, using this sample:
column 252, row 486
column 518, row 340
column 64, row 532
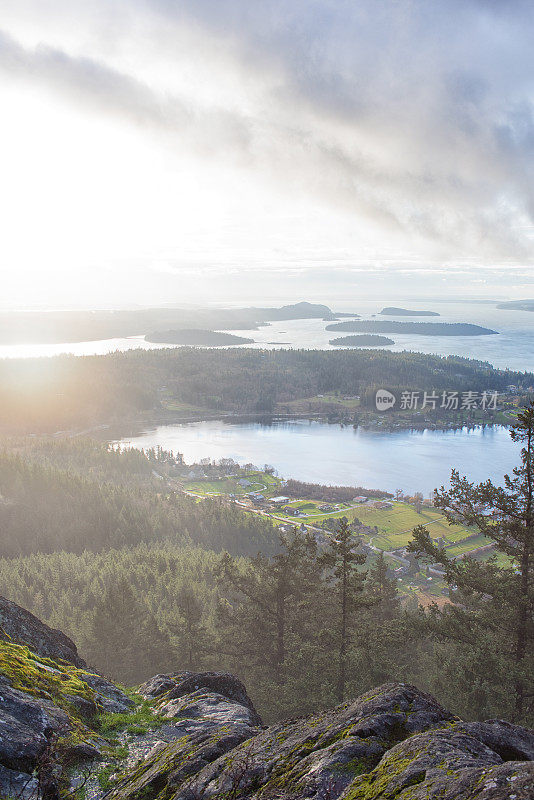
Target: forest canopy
column 46, row 395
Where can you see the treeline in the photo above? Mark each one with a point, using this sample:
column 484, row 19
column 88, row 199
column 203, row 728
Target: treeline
column 138, row 611
column 303, row 630
column 96, row 459
column 44, row 508
column 335, row 494
column 72, row 392
column 124, row 608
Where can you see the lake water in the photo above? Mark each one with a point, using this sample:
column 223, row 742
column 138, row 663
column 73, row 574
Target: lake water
column 341, row 455
column 512, row 347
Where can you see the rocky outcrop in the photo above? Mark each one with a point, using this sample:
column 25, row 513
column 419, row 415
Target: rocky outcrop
column 392, row 743
column 209, row 715
column 48, row 701
column 205, row 740
column 305, row 758
column 18, row 625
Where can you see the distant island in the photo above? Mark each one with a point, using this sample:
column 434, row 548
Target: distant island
column 346, row 314
column 420, row 328
column 393, row 311
column 50, row 327
column 518, row 305
column 197, row 338
column 363, row 340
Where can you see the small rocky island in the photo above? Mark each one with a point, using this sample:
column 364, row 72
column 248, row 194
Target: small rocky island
column 197, row 338
column 362, row 340
column 393, row 311
column 418, row 328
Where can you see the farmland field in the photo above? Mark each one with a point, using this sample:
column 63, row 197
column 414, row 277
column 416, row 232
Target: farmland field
column 258, row 481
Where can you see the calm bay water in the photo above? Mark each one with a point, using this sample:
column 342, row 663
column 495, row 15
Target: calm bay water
column 335, row 454
column 512, row 347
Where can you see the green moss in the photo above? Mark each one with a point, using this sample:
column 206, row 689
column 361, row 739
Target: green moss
column 356, row 766
column 44, row 678
column 374, row 785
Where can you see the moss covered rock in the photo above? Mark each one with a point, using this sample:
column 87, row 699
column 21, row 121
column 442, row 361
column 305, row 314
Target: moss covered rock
column 451, row 763
column 320, row 754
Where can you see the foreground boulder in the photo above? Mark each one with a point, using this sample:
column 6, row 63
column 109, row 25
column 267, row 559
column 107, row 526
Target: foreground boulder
column 208, row 714
column 392, row 743
column 20, row 626
column 48, row 700
column 177, row 685
column 446, row 763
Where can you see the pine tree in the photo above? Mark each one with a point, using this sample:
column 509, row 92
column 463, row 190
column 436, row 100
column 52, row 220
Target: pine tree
column 126, row 641
column 383, row 588
column 190, row 631
column 255, row 624
column 115, row 622
column 345, row 586
column 495, row 601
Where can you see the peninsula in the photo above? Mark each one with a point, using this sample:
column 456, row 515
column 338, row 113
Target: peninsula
column 517, row 305
column 49, row 327
column 392, row 311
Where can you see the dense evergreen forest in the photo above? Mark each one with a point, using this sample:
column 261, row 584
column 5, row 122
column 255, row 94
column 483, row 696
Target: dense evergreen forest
column 66, row 392
column 98, row 543
column 78, row 495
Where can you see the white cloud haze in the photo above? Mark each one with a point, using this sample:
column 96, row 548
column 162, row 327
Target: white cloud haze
column 148, row 144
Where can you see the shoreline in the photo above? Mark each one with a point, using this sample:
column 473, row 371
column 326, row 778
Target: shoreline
column 135, row 428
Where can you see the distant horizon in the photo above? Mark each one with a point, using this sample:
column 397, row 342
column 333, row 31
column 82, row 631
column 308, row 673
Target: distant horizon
column 263, row 302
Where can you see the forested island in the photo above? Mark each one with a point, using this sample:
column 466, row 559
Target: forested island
column 364, row 340
column 164, row 385
column 392, row 311
column 196, row 337
column 418, row 328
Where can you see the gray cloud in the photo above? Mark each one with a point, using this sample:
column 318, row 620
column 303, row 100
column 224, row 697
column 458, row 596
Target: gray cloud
column 417, row 115
column 88, row 81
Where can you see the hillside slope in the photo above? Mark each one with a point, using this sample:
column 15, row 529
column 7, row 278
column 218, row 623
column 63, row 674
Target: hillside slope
column 203, row 738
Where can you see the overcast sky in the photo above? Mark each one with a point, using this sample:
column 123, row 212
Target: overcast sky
column 236, row 150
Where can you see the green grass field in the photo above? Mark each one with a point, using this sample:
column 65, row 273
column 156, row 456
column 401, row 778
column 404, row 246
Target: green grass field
column 464, row 547
column 260, row 482
column 184, row 408
column 394, row 524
